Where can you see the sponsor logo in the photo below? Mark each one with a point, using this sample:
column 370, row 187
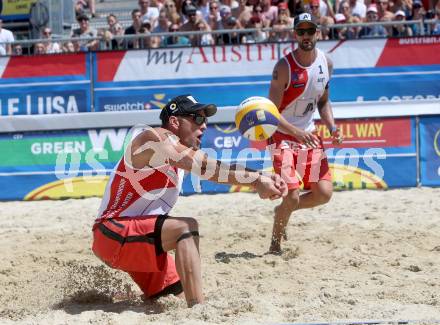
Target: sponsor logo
column 344, row 178
column 30, row 104
column 228, row 141
column 57, row 147
column 176, row 59
column 295, row 76
column 173, row 107
column 191, row 98
column 126, row 107
column 250, row 119
column 229, row 128
column 76, row 187
column 404, row 98
column 119, row 104
column 261, row 116
column 437, row 143
column 419, row 40
column 305, row 16
column 377, row 133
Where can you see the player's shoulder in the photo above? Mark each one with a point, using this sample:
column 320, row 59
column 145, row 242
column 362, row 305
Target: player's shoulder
column 154, row 134
column 282, row 63
column 326, row 57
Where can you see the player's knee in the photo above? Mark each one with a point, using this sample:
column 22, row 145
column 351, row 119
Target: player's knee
column 191, row 224
column 325, row 196
column 292, row 201
column 189, row 229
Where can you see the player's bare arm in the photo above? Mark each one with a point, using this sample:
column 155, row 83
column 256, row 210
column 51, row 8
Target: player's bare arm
column 326, row 111
column 279, row 82
column 157, row 147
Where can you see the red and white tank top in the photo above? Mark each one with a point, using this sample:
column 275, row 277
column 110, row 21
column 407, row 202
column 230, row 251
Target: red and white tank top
column 132, row 192
column 305, row 87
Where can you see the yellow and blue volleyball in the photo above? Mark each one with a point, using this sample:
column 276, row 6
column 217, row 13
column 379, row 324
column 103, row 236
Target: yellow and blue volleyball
column 257, row 118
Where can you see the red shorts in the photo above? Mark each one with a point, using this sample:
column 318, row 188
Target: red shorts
column 134, row 245
column 296, row 164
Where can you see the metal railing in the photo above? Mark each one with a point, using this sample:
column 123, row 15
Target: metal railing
column 234, row 36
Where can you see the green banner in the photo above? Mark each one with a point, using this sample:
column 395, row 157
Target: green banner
column 44, row 148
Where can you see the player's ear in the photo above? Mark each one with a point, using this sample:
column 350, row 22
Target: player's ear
column 319, row 34
column 174, row 122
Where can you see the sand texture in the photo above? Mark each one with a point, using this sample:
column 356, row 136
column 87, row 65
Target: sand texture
column 365, row 255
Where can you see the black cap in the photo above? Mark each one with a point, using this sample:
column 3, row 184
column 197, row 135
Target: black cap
column 190, row 9
column 82, row 17
column 231, row 20
column 186, row 105
column 304, row 18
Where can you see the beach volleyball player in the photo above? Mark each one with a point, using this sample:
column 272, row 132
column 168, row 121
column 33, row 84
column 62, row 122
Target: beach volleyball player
column 133, row 231
column 299, row 86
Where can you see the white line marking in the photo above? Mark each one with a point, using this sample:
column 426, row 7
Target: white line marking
column 384, row 74
column 54, row 83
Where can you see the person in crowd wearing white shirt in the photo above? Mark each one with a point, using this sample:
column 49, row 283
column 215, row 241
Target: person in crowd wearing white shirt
column 148, row 13
column 51, row 47
column 6, row 38
column 323, row 20
column 358, row 8
column 270, row 13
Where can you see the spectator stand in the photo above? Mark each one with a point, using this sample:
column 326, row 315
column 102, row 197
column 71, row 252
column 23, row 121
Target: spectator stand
column 144, row 40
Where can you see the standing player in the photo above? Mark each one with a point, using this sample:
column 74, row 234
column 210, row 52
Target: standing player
column 300, row 84
column 133, row 231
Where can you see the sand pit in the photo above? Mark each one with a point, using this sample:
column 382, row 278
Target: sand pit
column 365, row 255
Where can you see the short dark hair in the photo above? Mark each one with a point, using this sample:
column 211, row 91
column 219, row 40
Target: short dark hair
column 165, row 122
column 134, row 11
column 82, row 17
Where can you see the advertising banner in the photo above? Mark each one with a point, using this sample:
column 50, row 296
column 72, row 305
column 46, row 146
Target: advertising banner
column 367, row 159
column 15, row 9
column 377, row 154
column 222, row 74
column 391, row 70
column 55, row 84
column 58, row 164
column 430, row 150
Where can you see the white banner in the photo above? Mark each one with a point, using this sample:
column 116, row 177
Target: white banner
column 200, row 62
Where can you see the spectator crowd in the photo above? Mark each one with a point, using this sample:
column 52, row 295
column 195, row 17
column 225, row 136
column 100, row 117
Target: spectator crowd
column 161, row 16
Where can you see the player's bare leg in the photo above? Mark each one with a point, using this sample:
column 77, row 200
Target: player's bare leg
column 320, row 193
column 282, row 214
column 181, row 234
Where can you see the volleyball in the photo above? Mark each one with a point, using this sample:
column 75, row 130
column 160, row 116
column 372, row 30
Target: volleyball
column 257, row 118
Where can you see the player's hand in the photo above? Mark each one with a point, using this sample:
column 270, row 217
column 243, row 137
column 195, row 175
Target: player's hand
column 270, row 187
column 337, row 136
column 308, row 139
column 280, row 184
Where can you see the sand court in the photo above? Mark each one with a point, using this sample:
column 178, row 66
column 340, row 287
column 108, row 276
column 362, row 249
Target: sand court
column 365, row 255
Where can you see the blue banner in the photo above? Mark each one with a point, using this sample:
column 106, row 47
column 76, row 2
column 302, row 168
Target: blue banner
column 45, row 84
column 430, row 150
column 377, row 154
column 45, row 100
